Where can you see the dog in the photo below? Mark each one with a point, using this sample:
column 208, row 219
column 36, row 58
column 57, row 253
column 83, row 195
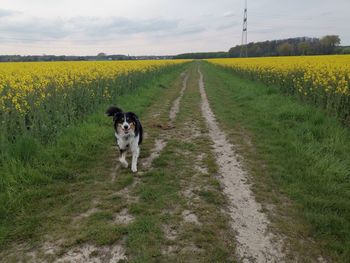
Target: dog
column 128, row 133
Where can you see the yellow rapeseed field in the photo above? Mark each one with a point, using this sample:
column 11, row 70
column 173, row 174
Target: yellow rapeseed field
column 42, row 97
column 325, row 80
column 18, row 80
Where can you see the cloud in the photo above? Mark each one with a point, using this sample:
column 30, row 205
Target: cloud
column 120, row 26
column 231, row 25
column 160, row 26
column 6, row 12
column 20, row 27
column 229, row 14
column 190, row 30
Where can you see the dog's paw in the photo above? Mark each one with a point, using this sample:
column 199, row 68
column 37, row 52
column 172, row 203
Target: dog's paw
column 124, row 163
column 134, row 169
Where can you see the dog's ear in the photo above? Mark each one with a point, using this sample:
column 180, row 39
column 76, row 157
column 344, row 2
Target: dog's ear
column 112, row 111
column 134, row 116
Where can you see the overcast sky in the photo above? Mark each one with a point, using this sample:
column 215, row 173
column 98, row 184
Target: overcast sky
column 160, row 27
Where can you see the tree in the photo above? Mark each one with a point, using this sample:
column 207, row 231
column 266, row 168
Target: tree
column 329, row 43
column 346, row 50
column 292, row 46
column 304, row 48
column 285, row 49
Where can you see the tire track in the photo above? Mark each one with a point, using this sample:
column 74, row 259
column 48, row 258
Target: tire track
column 176, row 105
column 161, row 142
column 255, row 243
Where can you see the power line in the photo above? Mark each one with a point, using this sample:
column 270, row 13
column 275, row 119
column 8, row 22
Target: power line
column 244, row 43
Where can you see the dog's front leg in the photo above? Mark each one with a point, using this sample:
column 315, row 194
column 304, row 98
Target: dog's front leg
column 135, row 156
column 122, row 158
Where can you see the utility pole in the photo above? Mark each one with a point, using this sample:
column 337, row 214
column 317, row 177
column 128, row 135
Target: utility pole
column 244, row 43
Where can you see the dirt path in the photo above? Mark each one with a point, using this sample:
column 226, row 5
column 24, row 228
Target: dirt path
column 161, row 141
column 117, row 252
column 176, row 105
column 255, row 243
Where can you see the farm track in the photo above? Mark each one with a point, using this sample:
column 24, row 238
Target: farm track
column 254, row 241
column 209, row 212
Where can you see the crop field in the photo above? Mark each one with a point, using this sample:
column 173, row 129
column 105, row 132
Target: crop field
column 243, row 160
column 322, row 80
column 39, row 98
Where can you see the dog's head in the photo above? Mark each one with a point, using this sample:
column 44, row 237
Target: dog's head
column 124, row 122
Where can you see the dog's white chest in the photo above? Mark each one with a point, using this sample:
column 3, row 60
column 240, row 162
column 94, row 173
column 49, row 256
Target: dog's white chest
column 126, row 141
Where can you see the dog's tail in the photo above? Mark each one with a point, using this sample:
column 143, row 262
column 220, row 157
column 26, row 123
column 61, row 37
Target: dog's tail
column 111, row 111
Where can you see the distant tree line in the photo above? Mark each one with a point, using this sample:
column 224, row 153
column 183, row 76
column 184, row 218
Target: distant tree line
column 202, row 55
column 300, row 46
column 99, row 57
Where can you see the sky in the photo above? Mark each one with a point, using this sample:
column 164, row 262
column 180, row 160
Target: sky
column 160, row 27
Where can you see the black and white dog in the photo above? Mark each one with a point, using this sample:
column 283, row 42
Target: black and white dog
column 128, row 132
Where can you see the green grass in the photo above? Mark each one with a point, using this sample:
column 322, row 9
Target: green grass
column 41, row 183
column 292, row 149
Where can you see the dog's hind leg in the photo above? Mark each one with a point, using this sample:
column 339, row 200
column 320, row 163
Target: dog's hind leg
column 135, row 156
column 122, row 158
